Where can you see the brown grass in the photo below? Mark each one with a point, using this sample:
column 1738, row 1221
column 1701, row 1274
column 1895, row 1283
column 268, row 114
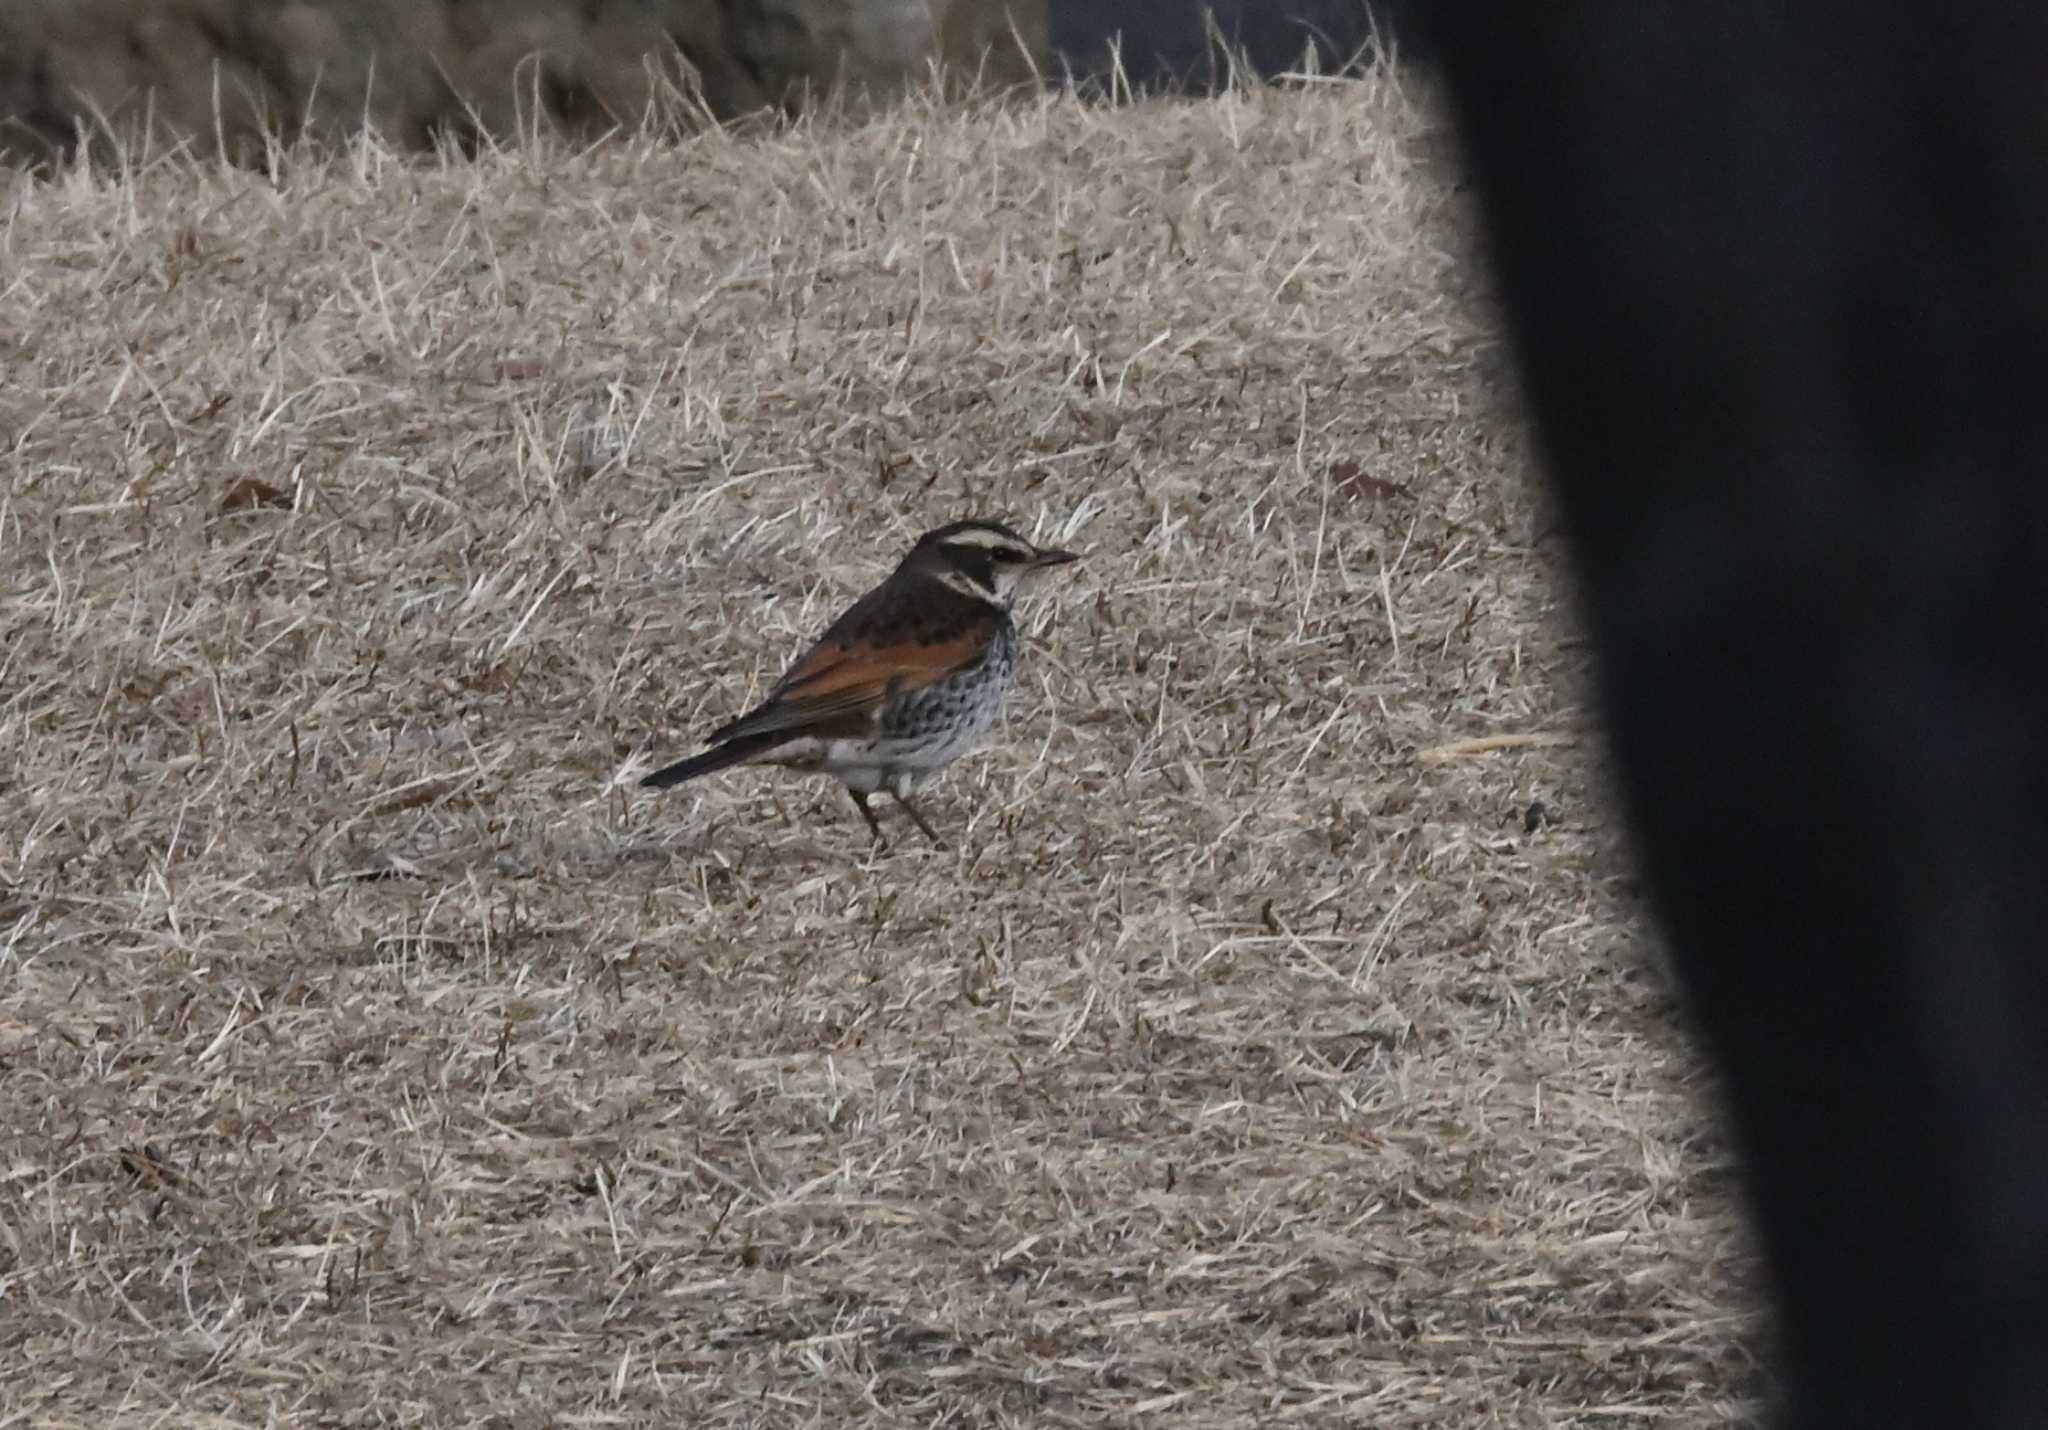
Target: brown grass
column 372, row 1052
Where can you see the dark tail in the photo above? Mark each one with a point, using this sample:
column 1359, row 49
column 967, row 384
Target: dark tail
column 718, row 757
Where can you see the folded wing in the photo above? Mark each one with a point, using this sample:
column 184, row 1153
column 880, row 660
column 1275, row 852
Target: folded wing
column 839, row 685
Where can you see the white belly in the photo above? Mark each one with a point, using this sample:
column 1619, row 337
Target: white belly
column 865, row 765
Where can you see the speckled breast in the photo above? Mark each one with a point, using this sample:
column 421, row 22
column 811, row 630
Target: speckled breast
column 937, row 724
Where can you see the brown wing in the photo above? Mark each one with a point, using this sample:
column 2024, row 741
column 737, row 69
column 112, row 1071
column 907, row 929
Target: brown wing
column 840, row 682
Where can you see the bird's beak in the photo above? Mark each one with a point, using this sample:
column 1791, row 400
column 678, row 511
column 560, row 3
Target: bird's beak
column 1047, row 556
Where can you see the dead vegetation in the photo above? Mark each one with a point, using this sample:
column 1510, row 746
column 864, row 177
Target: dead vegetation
column 1278, row 1044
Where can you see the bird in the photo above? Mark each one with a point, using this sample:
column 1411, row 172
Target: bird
column 902, row 684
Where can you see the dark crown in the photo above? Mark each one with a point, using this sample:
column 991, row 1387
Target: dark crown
column 980, row 539
column 983, row 559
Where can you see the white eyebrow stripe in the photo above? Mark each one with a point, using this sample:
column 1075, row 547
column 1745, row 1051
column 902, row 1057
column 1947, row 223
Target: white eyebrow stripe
column 987, row 540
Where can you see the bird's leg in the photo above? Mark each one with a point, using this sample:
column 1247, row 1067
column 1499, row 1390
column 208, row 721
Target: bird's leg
column 860, row 802
column 911, row 810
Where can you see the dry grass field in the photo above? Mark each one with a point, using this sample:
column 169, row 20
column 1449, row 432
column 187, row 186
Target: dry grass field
column 374, row 1052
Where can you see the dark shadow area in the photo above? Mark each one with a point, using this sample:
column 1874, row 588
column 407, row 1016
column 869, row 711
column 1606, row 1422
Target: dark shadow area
column 1188, row 45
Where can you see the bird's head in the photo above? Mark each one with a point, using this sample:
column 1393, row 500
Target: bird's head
column 984, row 559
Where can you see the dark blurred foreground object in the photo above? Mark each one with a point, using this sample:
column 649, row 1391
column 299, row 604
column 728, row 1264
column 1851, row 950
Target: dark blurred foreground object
column 1777, row 279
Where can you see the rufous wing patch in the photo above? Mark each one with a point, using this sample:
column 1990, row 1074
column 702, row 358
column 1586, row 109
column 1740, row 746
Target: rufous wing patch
column 829, row 669
column 834, row 681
